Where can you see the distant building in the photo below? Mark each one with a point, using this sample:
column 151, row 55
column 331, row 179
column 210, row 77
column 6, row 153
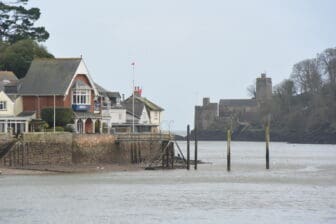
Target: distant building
column 112, row 111
column 206, row 114
column 147, row 115
column 209, row 115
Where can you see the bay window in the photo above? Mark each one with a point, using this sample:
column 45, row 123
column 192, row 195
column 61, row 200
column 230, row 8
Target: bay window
column 81, row 96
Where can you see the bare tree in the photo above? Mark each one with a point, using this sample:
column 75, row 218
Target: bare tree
column 327, row 60
column 251, row 90
column 307, row 76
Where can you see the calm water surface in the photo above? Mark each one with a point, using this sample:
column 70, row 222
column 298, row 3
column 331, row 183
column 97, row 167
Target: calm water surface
column 299, row 188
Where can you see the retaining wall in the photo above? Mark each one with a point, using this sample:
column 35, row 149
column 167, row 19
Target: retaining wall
column 69, row 148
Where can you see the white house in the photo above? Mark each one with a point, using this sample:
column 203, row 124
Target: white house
column 11, row 116
column 147, row 115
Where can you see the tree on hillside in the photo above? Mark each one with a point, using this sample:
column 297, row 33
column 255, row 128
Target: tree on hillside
column 18, row 56
column 17, row 22
column 307, row 76
column 328, row 62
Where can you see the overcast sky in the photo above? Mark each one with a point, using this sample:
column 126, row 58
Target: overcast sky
column 187, row 49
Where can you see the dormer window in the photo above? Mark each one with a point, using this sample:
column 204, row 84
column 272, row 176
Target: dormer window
column 3, row 105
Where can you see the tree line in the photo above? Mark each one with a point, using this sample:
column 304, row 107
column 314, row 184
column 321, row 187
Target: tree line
column 19, row 38
column 306, row 101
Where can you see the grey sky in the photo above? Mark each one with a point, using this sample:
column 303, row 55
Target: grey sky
column 185, row 50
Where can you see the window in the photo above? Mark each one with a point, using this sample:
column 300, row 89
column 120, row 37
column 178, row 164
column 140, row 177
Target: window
column 81, row 96
column 3, row 105
column 156, row 115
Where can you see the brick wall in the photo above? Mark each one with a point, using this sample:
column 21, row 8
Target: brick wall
column 37, row 103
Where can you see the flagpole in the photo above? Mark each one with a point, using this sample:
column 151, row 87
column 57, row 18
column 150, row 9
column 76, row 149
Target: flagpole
column 54, row 113
column 133, row 64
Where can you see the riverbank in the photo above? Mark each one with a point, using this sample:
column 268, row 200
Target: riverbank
column 257, row 135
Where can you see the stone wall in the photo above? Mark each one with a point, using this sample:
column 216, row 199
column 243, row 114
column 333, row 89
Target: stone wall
column 40, row 149
column 91, row 149
column 68, row 149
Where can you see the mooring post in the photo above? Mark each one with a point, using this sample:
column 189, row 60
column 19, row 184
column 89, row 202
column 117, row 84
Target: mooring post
column 188, row 147
column 228, row 151
column 267, row 139
column 172, row 154
column 196, row 147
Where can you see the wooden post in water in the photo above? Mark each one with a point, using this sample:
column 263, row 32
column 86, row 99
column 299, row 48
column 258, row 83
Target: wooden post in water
column 228, row 152
column 196, row 147
column 188, row 147
column 172, row 154
column 267, row 139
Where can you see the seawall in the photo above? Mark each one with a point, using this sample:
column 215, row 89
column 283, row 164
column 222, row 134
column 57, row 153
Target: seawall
column 68, row 149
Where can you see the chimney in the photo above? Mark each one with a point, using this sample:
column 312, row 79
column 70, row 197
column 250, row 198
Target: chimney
column 137, row 91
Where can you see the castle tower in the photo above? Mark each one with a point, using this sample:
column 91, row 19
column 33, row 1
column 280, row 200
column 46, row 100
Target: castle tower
column 263, row 88
column 206, row 114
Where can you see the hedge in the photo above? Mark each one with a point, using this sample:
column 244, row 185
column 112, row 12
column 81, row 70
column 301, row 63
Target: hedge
column 64, row 116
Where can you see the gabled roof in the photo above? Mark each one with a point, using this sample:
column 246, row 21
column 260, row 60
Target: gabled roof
column 149, row 104
column 7, row 75
column 105, row 92
column 100, row 89
column 238, row 102
column 138, row 106
column 113, row 94
column 52, row 76
column 7, row 78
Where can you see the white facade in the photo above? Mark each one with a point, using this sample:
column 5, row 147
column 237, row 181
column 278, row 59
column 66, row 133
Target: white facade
column 156, row 117
column 9, row 121
column 13, row 107
column 144, row 119
column 118, row 115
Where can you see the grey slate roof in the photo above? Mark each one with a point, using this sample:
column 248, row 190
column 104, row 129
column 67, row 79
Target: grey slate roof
column 100, row 89
column 238, row 102
column 49, row 76
column 26, row 114
column 113, row 94
column 7, row 78
column 103, row 91
column 7, row 75
column 138, row 106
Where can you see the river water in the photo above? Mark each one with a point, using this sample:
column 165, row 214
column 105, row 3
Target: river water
column 300, row 187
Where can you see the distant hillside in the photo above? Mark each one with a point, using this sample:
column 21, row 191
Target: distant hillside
column 302, row 107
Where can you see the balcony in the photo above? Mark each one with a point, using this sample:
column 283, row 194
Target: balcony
column 81, row 107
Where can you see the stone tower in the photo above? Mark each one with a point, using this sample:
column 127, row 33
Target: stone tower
column 263, row 88
column 206, row 114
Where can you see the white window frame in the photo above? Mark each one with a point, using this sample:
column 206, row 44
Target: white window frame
column 81, row 96
column 3, row 105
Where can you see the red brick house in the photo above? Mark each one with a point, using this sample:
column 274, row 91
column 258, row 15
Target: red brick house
column 65, row 81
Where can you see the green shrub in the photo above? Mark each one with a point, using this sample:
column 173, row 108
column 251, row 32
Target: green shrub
column 64, row 116
column 57, row 129
column 69, row 128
